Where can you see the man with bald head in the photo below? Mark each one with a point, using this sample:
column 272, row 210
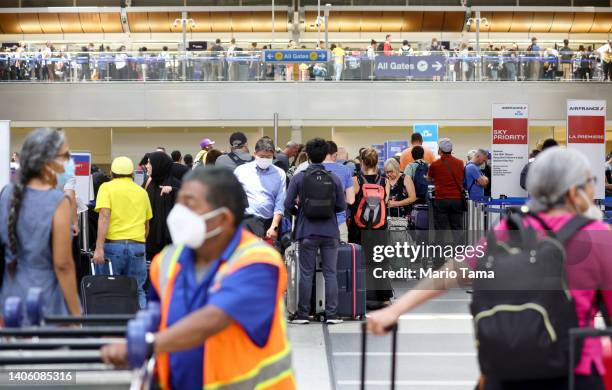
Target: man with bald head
column 282, row 158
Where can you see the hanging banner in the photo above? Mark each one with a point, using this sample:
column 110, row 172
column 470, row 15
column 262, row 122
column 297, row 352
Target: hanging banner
column 509, row 148
column 82, row 162
column 5, row 153
column 429, row 132
column 586, row 133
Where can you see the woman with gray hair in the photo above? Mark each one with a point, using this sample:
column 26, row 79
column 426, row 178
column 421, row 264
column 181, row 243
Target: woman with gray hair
column 562, row 186
column 35, row 226
column 400, row 189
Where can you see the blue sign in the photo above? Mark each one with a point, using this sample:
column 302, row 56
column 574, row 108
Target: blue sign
column 429, row 131
column 292, row 56
column 394, row 147
column 410, row 66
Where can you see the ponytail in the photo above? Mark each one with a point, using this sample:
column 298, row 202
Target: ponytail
column 13, row 217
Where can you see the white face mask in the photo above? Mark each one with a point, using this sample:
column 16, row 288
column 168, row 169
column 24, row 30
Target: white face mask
column 188, row 228
column 592, row 212
column 263, row 163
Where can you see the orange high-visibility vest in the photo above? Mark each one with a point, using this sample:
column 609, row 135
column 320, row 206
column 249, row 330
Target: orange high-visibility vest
column 231, row 360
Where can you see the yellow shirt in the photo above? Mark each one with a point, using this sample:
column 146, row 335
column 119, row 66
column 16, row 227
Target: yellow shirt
column 129, row 208
column 339, row 55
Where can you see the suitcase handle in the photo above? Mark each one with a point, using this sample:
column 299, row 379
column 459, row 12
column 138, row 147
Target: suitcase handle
column 93, row 268
column 364, row 339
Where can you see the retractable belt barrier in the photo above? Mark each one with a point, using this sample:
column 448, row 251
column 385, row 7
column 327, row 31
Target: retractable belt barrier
column 483, row 214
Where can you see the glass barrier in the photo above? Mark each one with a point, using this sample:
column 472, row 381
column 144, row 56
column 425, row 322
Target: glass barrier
column 190, row 66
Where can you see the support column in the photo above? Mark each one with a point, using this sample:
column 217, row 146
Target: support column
column 296, row 132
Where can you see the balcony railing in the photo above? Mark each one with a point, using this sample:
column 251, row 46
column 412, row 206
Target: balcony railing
column 194, row 66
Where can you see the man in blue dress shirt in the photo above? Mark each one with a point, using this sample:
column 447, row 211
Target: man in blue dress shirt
column 265, row 186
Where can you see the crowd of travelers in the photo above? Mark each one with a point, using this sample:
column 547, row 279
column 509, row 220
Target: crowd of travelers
column 223, row 220
column 231, row 62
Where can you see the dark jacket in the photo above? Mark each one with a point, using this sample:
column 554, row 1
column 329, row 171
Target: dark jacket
column 313, row 228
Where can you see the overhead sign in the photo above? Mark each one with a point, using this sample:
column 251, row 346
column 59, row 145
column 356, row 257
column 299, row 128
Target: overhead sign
column 429, row 132
column 293, row 56
column 586, row 133
column 509, row 148
column 82, row 162
column 410, row 66
column 5, row 153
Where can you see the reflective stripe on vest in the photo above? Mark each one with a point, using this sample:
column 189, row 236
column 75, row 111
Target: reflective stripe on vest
column 237, row 255
column 269, row 371
column 169, row 258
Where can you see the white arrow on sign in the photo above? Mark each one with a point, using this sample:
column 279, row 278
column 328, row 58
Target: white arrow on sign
column 437, row 65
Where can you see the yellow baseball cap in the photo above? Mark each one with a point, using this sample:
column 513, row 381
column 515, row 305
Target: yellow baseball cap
column 122, row 166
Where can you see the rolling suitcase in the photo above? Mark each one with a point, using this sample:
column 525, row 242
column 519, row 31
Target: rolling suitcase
column 109, row 294
column 317, row 304
column 351, row 281
column 364, row 342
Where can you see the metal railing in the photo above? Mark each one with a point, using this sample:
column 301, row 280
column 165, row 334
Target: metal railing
column 251, row 66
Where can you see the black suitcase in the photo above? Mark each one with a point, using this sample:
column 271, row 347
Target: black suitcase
column 109, row 294
column 351, row 281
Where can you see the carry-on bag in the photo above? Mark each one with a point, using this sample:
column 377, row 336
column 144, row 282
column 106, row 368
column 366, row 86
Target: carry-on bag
column 109, row 294
column 292, row 296
column 364, row 341
column 350, row 273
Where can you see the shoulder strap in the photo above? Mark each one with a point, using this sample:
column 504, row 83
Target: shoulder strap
column 452, row 175
column 572, row 227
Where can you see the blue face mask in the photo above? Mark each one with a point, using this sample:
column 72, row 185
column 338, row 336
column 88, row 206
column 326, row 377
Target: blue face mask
column 63, row 178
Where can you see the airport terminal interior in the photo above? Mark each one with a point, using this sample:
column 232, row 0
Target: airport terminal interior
column 326, row 195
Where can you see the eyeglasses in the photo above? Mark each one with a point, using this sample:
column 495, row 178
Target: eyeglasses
column 65, row 156
column 388, row 172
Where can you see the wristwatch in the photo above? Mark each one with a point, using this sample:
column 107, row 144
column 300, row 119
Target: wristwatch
column 150, row 341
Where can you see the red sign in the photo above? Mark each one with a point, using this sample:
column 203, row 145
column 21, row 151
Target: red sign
column 81, row 165
column 510, row 131
column 586, row 129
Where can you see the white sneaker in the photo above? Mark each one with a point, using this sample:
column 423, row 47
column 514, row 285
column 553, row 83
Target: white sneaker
column 334, row 321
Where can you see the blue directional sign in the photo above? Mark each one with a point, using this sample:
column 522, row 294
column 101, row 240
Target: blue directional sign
column 293, row 56
column 410, row 66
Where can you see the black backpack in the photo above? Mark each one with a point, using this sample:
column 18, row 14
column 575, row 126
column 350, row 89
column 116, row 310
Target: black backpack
column 381, row 47
column 523, row 314
column 237, row 160
column 319, row 194
column 421, row 185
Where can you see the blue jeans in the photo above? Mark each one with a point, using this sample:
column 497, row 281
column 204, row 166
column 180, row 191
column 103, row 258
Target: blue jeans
column 308, row 249
column 128, row 259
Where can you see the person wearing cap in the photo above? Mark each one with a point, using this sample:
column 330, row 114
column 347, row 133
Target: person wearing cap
column 206, row 144
column 238, row 155
column 123, row 224
column 446, row 173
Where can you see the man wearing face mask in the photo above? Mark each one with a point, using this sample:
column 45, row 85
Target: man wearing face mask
column 265, row 186
column 66, row 182
column 221, row 292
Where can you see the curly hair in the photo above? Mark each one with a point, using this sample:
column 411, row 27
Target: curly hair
column 39, row 148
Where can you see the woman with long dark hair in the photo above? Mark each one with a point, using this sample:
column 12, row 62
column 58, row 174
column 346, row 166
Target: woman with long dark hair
column 162, row 189
column 35, row 226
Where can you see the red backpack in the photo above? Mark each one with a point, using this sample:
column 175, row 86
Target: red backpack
column 371, row 211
